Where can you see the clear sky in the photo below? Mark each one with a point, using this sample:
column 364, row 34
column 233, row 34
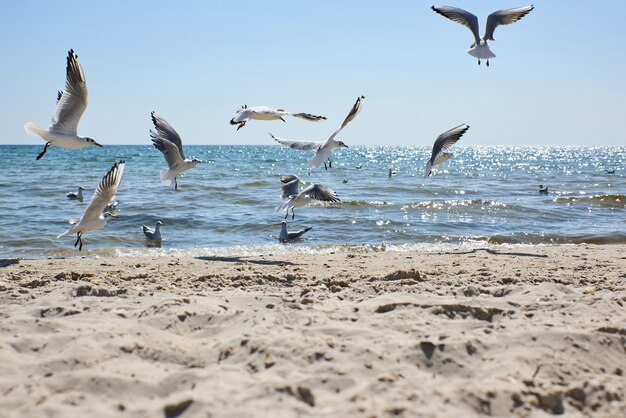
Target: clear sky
column 559, row 77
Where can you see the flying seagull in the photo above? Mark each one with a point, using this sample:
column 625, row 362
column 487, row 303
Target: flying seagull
column 76, row 195
column 153, row 233
column 286, row 236
column 323, row 149
column 267, row 113
column 442, row 144
column 480, row 49
column 295, row 199
column 166, row 140
column 93, row 218
column 71, row 104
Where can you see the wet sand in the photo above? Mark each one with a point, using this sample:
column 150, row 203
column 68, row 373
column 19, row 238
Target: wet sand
column 505, row 331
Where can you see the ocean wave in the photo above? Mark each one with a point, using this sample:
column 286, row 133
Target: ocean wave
column 609, row 200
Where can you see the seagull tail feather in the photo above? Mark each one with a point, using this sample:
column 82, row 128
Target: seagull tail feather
column 65, row 233
column 33, row 129
column 167, row 177
column 481, row 51
column 287, row 203
column 429, row 167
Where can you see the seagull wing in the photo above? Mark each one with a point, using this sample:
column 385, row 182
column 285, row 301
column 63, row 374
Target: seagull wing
column 72, row 102
column 358, row 105
column 169, row 149
column 288, row 178
column 105, row 192
column 320, row 192
column 446, row 140
column 296, row 144
column 504, row 17
column 165, row 131
column 290, row 188
column 308, row 116
column 461, row 16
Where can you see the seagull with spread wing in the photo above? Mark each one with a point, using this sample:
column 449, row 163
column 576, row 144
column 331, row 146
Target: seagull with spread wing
column 480, row 49
column 71, row 104
column 442, row 145
column 267, row 113
column 167, row 140
column 294, row 198
column 323, row 149
column 93, row 218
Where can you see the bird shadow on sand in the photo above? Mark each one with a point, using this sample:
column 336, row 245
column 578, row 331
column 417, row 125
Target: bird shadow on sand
column 247, row 260
column 496, row 252
column 6, row 262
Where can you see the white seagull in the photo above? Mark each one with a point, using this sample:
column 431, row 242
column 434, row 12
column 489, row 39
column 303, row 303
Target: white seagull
column 286, row 236
column 153, row 233
column 267, row 113
column 112, row 206
column 76, row 196
column 442, row 144
column 323, row 149
column 295, row 199
column 480, row 49
column 93, row 218
column 71, row 104
column 167, row 140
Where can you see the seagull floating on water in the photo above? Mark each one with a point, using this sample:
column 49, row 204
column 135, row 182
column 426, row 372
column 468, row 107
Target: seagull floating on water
column 286, row 236
column 76, row 196
column 93, row 218
column 71, row 104
column 267, row 113
column 610, row 171
column 480, row 49
column 442, row 144
column 167, row 140
column 392, row 173
column 293, row 198
column 153, row 233
column 323, row 149
column 543, row 190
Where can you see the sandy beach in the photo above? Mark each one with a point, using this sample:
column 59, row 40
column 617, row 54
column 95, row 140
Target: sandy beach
column 501, row 331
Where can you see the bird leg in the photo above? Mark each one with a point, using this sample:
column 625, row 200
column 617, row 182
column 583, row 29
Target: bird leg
column 175, row 184
column 79, row 240
column 286, row 213
column 293, row 214
column 325, row 167
column 487, row 63
column 478, row 62
column 44, row 151
column 330, row 163
column 241, row 125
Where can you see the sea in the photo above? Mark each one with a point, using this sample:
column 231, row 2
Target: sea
column 485, row 195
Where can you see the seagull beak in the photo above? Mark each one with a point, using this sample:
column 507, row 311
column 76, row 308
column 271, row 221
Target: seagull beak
column 282, row 119
column 97, row 144
column 113, row 216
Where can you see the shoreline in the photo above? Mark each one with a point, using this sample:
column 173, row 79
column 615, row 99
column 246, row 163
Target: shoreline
column 502, row 330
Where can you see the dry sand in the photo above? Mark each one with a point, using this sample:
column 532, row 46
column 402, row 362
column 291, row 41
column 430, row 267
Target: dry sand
column 503, row 331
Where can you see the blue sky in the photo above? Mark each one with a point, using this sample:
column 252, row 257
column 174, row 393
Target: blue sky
column 554, row 81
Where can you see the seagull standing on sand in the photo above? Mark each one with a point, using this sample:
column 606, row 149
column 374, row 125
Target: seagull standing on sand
column 323, row 149
column 76, row 196
column 167, row 140
column 480, row 49
column 442, row 144
column 93, row 218
column 153, row 233
column 286, row 236
column 71, row 104
column 267, row 113
column 295, row 199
